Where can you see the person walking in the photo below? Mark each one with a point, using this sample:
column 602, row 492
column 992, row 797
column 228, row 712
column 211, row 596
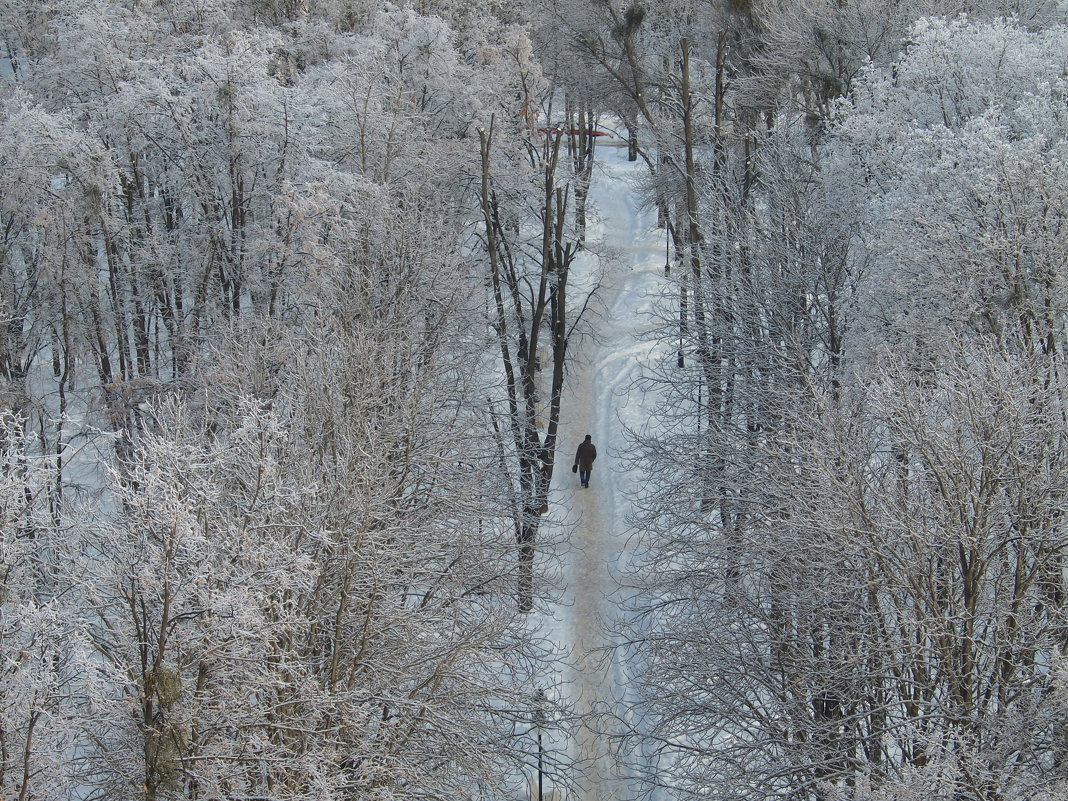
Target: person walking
column 584, row 457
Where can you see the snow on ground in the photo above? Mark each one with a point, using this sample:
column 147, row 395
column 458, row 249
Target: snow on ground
column 600, row 399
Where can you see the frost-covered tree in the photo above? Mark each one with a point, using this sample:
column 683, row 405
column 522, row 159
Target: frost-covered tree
column 237, row 236
column 308, row 586
column 50, row 683
column 892, row 615
column 960, row 152
column 870, row 599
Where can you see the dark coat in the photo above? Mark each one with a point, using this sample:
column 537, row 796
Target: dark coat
column 585, row 455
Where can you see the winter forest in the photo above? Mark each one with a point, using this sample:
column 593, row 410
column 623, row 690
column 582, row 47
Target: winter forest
column 301, row 303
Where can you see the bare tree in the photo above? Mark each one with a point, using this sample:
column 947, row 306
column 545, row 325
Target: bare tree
column 530, row 300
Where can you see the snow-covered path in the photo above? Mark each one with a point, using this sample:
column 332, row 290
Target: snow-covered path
column 600, row 399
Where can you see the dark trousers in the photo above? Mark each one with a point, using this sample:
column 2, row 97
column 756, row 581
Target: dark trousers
column 584, row 477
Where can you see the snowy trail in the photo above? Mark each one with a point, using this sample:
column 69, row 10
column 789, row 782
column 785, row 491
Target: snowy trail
column 599, row 399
